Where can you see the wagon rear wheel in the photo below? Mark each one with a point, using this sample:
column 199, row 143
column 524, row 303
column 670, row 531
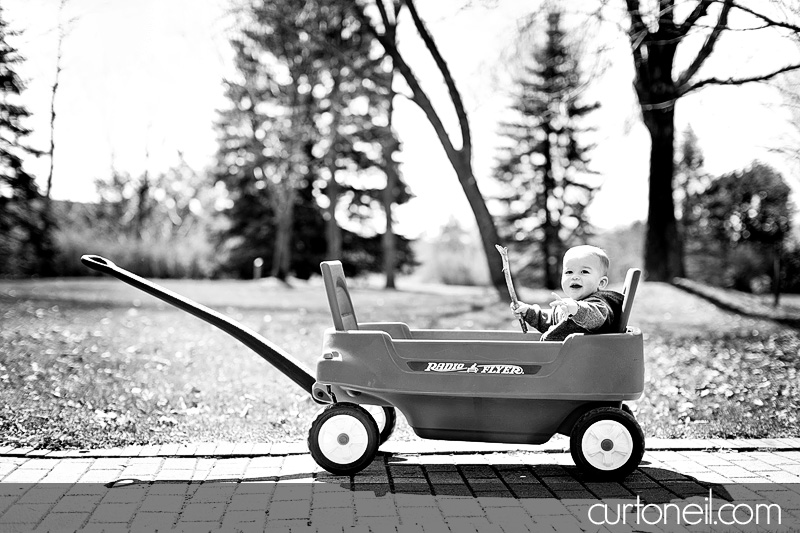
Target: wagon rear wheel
column 607, row 443
column 386, row 419
column 343, row 439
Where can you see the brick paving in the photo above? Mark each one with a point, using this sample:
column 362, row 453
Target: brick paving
column 414, row 487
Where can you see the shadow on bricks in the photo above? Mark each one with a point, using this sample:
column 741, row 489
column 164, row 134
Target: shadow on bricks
column 397, row 491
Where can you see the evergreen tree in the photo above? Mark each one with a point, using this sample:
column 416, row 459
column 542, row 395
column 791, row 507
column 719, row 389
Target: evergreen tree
column 689, row 175
column 544, row 168
column 690, row 179
column 24, row 242
column 305, row 125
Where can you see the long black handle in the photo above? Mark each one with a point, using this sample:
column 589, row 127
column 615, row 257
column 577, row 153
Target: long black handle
column 271, row 353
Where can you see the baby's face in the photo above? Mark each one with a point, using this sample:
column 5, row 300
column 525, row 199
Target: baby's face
column 582, row 275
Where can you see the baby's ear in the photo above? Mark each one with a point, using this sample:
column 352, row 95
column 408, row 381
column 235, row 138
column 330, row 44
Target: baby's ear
column 603, row 282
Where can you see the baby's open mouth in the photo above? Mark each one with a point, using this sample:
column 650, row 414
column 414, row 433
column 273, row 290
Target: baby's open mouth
column 574, row 286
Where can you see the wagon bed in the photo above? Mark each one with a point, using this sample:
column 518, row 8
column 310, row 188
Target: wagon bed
column 475, row 385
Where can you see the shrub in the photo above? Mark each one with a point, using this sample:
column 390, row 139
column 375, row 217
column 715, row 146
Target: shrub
column 172, row 257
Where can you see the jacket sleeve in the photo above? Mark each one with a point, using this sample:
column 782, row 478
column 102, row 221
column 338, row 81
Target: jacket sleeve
column 592, row 313
column 538, row 319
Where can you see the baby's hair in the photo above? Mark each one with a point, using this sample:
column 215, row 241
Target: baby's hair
column 587, row 249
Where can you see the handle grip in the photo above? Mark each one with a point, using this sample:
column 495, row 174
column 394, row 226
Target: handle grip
column 98, row 263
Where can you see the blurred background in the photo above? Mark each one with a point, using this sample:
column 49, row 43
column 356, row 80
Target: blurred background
column 246, row 138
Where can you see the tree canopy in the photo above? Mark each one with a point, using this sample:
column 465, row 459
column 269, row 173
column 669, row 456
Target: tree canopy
column 24, row 242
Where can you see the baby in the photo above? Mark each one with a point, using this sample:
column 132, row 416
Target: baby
column 588, row 308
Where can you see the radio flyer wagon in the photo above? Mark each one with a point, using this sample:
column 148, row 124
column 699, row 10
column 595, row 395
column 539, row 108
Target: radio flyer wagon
column 470, row 385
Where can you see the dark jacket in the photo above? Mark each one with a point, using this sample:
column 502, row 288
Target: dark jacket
column 543, row 321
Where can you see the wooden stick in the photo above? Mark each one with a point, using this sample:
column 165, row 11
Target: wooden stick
column 507, row 271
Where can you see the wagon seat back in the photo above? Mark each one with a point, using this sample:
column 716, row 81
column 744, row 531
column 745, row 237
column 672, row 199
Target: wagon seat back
column 628, row 292
column 342, row 312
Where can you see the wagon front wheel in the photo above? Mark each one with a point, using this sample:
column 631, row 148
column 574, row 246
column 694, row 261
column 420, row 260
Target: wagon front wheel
column 343, row 439
column 607, row 443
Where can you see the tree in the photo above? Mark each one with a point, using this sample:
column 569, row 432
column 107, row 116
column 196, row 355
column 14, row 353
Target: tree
column 268, row 133
column 24, row 243
column 544, row 166
column 307, row 123
column 656, row 38
column 690, row 179
column 748, row 212
column 169, row 205
column 63, row 31
column 689, row 175
column 382, row 23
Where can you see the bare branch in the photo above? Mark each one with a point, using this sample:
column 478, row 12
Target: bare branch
column 769, row 21
column 455, row 95
column 637, row 33
column 666, row 13
column 699, row 11
column 738, row 81
column 418, row 93
column 731, row 28
column 637, row 23
column 707, row 47
column 63, row 31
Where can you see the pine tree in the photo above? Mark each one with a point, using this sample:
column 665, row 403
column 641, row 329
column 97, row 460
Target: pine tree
column 690, row 179
column 303, row 129
column 544, row 168
column 24, row 243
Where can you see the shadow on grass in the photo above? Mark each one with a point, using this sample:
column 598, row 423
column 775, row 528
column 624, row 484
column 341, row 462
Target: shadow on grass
column 758, row 311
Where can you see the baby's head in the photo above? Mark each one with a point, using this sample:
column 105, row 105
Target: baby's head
column 585, row 270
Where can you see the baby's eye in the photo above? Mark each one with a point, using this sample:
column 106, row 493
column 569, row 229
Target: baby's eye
column 584, row 271
column 567, row 272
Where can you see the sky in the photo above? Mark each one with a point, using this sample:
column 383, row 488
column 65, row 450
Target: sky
column 142, row 81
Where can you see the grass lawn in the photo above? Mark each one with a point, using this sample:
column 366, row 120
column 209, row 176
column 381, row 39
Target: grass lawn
column 93, row 362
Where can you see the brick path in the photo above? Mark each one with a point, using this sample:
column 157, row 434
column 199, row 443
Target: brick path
column 417, row 487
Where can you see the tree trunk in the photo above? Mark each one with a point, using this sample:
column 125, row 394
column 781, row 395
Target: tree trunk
column 142, row 206
column 282, row 256
column 459, row 159
column 776, row 275
column 550, row 242
column 389, row 241
column 486, row 228
column 662, row 256
column 333, row 232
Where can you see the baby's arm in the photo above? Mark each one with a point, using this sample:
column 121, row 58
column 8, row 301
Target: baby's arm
column 591, row 314
column 536, row 317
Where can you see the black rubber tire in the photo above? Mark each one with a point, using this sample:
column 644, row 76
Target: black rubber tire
column 388, row 428
column 627, row 409
column 630, row 425
column 386, row 423
column 323, row 458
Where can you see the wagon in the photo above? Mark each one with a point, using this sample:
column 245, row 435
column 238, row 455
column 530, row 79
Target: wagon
column 468, row 385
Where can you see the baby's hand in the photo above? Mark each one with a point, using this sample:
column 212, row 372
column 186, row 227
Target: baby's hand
column 522, row 308
column 567, row 305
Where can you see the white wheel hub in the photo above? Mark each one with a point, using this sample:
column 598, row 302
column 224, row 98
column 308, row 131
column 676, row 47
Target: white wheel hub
column 607, row 445
column 343, row 439
column 378, row 414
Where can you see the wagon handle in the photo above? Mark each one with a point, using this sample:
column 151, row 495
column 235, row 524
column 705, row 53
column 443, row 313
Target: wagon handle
column 271, row 353
column 101, row 264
